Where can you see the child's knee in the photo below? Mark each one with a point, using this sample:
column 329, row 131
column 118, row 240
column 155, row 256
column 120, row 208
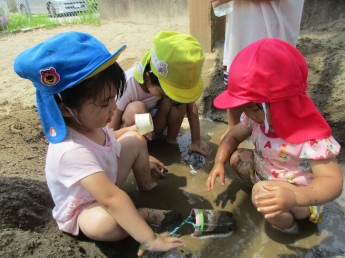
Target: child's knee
column 257, row 189
column 241, row 158
column 136, row 107
column 132, row 138
column 234, row 159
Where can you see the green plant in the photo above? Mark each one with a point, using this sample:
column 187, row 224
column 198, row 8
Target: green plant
column 92, row 5
column 3, row 20
column 17, row 21
column 90, row 18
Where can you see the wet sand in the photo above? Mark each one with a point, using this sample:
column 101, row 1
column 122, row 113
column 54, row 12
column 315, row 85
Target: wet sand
column 252, row 237
column 26, row 226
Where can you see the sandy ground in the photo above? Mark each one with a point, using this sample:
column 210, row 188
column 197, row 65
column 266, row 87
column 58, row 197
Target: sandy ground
column 26, row 226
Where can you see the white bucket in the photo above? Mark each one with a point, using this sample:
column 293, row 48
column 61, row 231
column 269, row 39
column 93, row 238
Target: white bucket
column 143, row 123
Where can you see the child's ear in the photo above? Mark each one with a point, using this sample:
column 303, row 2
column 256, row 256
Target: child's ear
column 64, row 110
column 147, row 77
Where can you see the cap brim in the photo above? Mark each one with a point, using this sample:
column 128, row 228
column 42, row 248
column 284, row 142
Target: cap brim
column 225, row 101
column 140, row 68
column 52, row 121
column 105, row 64
column 182, row 95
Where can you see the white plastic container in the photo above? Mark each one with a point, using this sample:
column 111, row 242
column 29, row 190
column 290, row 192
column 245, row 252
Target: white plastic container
column 223, row 9
column 144, row 123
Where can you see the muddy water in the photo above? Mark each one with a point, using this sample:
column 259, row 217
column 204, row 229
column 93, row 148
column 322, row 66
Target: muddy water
column 253, row 237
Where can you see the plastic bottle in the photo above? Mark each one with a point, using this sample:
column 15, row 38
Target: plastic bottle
column 213, row 223
column 223, row 9
column 196, row 161
column 173, row 253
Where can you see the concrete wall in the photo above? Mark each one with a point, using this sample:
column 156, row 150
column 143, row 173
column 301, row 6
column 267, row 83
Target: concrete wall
column 318, row 12
column 145, row 11
column 198, row 14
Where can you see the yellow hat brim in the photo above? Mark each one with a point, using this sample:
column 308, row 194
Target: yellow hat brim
column 182, row 95
column 140, row 68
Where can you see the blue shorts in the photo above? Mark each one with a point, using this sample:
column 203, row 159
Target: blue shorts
column 154, row 110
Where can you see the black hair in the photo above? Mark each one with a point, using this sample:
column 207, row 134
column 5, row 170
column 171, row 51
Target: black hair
column 155, row 81
column 153, row 77
column 75, row 97
column 260, row 106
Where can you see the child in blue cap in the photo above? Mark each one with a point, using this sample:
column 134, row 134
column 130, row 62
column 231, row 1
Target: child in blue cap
column 76, row 80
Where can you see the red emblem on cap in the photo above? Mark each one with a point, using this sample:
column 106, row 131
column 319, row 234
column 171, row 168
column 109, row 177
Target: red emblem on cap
column 49, row 76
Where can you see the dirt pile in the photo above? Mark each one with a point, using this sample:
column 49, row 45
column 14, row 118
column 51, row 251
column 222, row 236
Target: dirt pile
column 324, row 49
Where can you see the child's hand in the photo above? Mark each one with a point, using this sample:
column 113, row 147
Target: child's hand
column 155, row 167
column 148, row 136
column 161, row 243
column 201, row 147
column 217, row 170
column 134, row 128
column 277, row 200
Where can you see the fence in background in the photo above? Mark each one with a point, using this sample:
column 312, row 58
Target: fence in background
column 53, row 8
column 17, row 14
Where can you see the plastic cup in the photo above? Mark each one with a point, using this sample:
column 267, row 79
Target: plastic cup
column 143, row 123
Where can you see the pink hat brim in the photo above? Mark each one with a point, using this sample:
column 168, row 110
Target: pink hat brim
column 226, row 101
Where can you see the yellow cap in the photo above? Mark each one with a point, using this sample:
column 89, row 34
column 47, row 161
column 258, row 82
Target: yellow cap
column 177, row 60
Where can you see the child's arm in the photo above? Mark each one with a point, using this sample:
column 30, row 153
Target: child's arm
column 194, row 124
column 118, row 204
column 326, row 186
column 120, row 132
column 227, row 146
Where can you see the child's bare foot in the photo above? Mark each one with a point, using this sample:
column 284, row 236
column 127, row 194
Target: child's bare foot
column 147, row 185
column 159, row 217
column 171, row 220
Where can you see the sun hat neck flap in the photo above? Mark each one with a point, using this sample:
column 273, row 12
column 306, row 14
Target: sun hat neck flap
column 297, row 120
column 56, row 64
column 273, row 71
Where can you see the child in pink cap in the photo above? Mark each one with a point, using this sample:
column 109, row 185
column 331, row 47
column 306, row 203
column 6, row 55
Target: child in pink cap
column 293, row 169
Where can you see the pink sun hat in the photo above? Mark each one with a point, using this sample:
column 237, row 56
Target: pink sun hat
column 273, row 71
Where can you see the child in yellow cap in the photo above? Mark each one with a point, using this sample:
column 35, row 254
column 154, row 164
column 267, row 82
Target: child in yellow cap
column 166, row 83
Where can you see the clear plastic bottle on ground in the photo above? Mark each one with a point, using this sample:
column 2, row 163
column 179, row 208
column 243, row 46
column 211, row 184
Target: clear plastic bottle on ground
column 222, row 9
column 173, row 253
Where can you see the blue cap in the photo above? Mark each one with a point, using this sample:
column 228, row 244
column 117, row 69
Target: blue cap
column 57, row 64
